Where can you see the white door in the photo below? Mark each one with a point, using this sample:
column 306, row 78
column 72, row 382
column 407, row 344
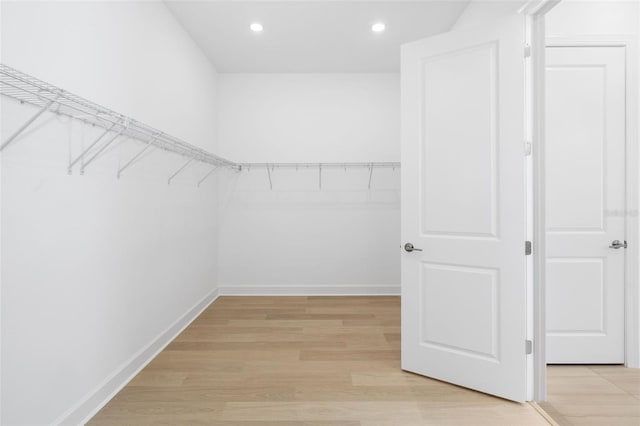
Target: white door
column 585, row 186
column 463, row 205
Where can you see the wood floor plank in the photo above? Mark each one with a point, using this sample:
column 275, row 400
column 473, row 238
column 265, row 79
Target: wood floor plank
column 570, row 370
column 582, row 385
column 268, row 379
column 343, row 329
column 391, row 322
column 461, row 413
column 319, row 316
column 400, row 412
column 603, row 410
column 330, row 392
column 603, row 421
column 246, row 346
column 285, row 323
column 328, row 355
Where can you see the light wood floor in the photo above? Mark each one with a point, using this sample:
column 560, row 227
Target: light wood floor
column 583, row 395
column 298, row 361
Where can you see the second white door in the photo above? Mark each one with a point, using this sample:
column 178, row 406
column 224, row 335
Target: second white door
column 585, row 186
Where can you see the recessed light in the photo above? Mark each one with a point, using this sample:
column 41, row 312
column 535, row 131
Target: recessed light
column 378, row 27
column 256, row 27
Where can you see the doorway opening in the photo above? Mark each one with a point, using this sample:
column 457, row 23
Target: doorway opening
column 590, row 256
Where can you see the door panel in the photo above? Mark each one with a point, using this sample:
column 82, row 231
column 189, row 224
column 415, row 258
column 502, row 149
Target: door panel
column 585, row 178
column 451, row 292
column 463, row 205
column 450, row 99
column 571, row 277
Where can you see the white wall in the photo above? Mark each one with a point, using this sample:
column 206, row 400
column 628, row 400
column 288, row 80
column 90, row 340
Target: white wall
column 95, row 270
column 485, row 12
column 298, row 238
column 575, row 18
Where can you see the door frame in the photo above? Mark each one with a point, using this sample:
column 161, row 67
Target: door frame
column 536, row 68
column 632, row 253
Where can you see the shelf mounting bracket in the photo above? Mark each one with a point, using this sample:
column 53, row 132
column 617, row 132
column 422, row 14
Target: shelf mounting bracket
column 208, row 174
column 184, row 166
column 270, row 181
column 101, row 150
column 150, row 144
column 28, row 123
column 81, row 156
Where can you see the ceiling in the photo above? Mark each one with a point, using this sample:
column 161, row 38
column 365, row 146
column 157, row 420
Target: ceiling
column 311, row 36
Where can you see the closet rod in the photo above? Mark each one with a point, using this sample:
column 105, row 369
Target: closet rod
column 27, row 89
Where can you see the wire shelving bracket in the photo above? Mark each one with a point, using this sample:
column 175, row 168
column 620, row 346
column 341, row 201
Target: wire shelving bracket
column 207, row 175
column 177, row 172
column 22, row 128
column 150, row 144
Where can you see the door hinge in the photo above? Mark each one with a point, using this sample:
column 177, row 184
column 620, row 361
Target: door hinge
column 528, row 347
column 527, row 51
column 527, row 248
column 527, row 148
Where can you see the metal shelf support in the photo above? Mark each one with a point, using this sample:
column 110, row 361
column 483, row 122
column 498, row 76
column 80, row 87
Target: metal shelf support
column 184, row 166
column 27, row 124
column 81, row 156
column 150, row 144
column 101, row 150
column 270, row 181
column 208, row 174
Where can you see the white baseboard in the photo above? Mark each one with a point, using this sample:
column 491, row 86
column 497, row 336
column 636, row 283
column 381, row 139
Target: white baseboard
column 88, row 406
column 347, row 290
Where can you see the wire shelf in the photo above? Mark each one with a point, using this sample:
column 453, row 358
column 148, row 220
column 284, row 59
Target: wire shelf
column 27, row 89
column 47, row 97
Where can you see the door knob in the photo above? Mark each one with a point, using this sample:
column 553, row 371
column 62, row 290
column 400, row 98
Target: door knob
column 409, row 247
column 616, row 244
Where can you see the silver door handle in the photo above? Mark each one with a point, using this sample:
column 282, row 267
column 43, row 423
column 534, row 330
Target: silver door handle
column 616, row 244
column 409, row 247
